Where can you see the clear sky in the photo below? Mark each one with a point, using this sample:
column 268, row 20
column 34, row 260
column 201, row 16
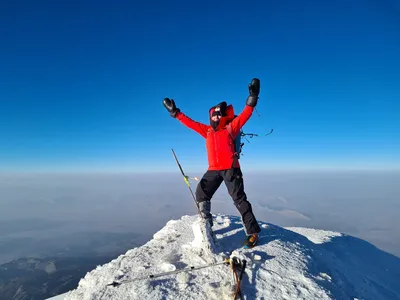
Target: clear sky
column 82, row 82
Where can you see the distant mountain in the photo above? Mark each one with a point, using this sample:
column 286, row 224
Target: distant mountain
column 41, row 278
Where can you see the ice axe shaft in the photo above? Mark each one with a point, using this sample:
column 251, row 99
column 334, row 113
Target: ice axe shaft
column 186, row 179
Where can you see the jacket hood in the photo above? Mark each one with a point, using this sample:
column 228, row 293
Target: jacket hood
column 227, row 113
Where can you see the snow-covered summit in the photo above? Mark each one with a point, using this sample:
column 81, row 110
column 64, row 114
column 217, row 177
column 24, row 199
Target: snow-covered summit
column 288, row 263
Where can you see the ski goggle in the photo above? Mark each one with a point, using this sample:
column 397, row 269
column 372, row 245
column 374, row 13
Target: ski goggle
column 216, row 113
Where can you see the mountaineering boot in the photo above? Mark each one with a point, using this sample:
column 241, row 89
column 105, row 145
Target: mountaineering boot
column 205, row 207
column 251, row 240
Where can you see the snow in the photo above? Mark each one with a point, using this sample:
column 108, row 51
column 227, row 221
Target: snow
column 59, row 297
column 314, row 235
column 288, row 263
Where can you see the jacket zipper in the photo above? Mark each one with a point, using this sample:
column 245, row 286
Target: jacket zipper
column 216, row 149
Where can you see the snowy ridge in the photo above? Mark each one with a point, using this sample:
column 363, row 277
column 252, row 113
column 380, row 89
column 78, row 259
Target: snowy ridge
column 292, row 263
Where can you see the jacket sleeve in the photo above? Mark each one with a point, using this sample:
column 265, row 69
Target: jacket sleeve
column 200, row 128
column 241, row 119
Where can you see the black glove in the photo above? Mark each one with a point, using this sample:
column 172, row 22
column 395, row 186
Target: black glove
column 171, row 107
column 254, row 90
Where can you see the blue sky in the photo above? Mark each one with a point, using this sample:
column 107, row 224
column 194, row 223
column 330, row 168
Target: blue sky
column 82, row 83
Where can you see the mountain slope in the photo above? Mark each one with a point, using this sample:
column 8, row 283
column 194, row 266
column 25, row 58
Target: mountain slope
column 292, row 263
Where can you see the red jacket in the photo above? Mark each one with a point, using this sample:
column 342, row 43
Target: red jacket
column 220, row 142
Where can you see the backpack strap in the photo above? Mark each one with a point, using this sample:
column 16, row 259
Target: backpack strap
column 236, row 154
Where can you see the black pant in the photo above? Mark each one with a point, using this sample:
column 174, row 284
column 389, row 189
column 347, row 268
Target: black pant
column 233, row 179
